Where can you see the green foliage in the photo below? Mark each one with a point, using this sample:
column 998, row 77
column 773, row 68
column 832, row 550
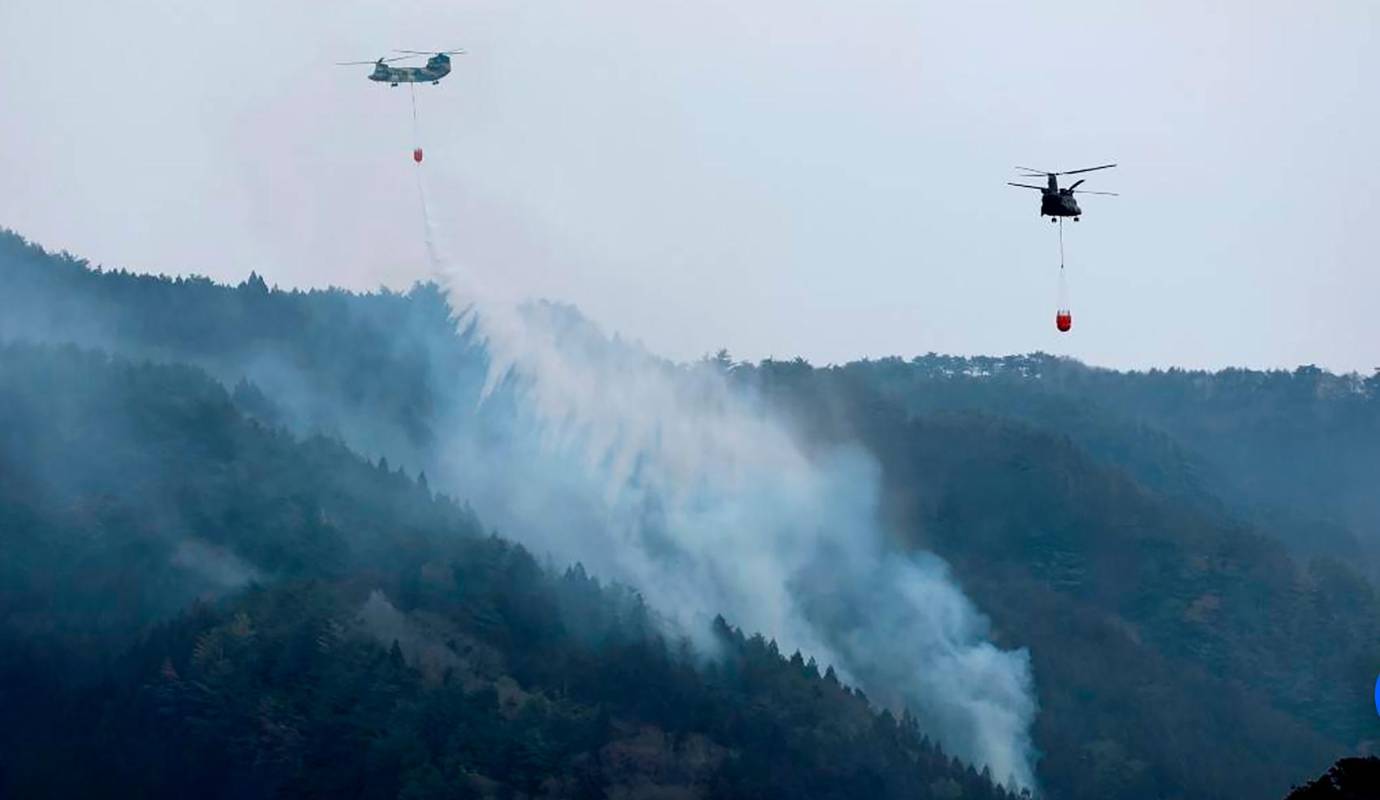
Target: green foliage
column 373, row 642
column 1294, row 451
column 1187, row 555
column 1178, row 649
column 373, row 369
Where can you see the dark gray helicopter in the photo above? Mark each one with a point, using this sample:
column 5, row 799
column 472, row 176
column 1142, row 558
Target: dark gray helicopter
column 437, row 67
column 1056, row 202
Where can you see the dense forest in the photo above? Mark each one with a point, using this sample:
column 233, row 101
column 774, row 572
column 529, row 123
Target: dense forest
column 1293, row 450
column 199, row 605
column 1187, row 556
column 1164, row 632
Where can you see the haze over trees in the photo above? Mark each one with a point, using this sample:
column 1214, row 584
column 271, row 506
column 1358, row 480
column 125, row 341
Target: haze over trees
column 199, row 605
column 307, row 605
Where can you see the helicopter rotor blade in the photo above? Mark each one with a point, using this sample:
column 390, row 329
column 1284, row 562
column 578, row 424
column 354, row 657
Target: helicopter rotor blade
column 1044, row 172
column 1075, row 184
column 1025, row 186
column 430, row 52
column 1085, row 191
column 375, row 61
column 1086, row 169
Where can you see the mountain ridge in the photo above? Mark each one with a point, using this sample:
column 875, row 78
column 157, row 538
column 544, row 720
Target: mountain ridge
column 1012, row 469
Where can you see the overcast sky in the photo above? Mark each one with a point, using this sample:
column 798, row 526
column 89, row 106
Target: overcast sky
column 777, row 177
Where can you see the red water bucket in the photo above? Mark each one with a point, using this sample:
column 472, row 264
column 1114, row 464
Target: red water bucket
column 1063, row 320
column 417, row 155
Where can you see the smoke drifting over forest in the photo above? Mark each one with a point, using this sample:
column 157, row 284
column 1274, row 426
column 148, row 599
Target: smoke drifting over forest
column 670, row 479
column 233, row 444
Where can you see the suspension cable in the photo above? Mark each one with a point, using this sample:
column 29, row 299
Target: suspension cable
column 1061, row 244
column 412, row 86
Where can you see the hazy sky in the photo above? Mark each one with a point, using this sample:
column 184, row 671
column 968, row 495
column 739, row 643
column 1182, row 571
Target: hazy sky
column 777, row 177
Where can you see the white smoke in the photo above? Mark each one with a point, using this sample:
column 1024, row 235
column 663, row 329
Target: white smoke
column 672, row 480
column 214, row 565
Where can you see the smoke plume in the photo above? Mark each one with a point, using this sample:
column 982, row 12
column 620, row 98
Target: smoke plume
column 685, row 486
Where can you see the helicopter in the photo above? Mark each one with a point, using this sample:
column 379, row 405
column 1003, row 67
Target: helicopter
column 1056, row 202
column 437, row 67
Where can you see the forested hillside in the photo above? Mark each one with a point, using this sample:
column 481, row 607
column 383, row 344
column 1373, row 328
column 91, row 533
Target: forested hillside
column 1185, row 555
column 1296, row 450
column 1170, row 641
column 378, row 370
column 199, row 605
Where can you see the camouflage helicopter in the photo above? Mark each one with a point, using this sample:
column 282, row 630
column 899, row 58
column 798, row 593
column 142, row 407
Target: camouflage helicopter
column 437, row 67
column 1056, row 202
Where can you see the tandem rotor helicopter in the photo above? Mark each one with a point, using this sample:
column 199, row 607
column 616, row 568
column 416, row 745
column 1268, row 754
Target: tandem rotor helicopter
column 1056, row 202
column 437, row 67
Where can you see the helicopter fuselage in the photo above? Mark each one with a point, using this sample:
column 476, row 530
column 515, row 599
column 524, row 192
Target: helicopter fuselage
column 1056, row 202
column 1059, row 203
column 435, row 70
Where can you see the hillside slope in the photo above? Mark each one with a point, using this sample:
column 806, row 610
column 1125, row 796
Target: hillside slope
column 198, row 605
column 1195, row 633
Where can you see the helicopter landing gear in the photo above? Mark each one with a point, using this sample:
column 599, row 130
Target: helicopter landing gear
column 1075, row 219
column 1053, row 219
column 394, row 85
column 435, row 83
